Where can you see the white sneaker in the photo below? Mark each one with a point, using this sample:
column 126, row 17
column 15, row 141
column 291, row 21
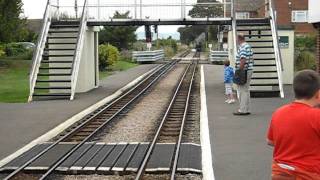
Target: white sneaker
column 231, row 101
column 227, row 101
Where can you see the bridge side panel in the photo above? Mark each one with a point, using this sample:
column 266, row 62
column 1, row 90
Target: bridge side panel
column 88, row 72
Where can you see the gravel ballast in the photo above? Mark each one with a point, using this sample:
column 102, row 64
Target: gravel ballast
column 139, row 124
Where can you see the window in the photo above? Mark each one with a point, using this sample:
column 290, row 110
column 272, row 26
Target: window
column 242, row 15
column 299, row 16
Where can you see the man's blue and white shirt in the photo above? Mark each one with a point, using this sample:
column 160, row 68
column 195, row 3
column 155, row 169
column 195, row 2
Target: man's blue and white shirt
column 245, row 51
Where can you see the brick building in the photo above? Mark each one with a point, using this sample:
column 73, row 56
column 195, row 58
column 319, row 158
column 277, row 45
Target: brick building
column 314, row 19
column 291, row 14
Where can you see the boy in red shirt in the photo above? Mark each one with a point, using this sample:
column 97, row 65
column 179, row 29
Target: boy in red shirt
column 295, row 132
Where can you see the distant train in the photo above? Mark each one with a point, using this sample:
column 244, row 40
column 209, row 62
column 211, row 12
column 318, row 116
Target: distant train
column 199, row 47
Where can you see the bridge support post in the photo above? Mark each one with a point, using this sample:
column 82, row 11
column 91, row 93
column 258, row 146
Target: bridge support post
column 88, row 78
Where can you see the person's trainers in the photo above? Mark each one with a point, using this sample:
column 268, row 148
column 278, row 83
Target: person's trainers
column 227, row 101
column 231, row 101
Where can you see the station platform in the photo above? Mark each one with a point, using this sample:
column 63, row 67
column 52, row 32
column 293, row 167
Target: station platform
column 21, row 123
column 238, row 143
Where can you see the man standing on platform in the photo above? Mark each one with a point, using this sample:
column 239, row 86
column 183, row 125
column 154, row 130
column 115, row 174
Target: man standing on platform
column 244, row 62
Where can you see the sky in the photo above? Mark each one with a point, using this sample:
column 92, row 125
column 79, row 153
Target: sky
column 34, row 9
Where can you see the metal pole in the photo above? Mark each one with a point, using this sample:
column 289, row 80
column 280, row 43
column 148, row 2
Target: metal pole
column 76, row 8
column 140, row 9
column 99, row 12
column 58, row 10
column 224, row 8
column 135, row 9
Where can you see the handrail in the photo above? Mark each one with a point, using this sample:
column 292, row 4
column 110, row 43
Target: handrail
column 78, row 51
column 37, row 54
column 234, row 30
column 279, row 63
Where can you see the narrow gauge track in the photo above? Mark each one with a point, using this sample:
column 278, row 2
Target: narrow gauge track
column 173, row 122
column 85, row 130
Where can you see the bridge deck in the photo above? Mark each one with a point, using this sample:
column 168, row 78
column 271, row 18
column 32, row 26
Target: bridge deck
column 138, row 22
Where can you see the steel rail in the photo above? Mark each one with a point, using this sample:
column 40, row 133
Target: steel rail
column 145, row 161
column 162, row 68
column 178, row 144
column 59, row 162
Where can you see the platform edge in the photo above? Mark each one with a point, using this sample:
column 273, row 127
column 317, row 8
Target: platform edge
column 207, row 168
column 61, row 127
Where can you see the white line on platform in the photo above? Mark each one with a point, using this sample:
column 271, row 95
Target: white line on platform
column 207, row 169
column 60, row 128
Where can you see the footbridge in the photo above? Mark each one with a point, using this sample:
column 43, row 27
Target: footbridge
column 65, row 43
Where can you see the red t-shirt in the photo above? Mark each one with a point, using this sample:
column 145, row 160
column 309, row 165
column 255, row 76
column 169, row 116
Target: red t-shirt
column 295, row 133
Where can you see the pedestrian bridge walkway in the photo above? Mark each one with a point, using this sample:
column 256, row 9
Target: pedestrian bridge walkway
column 144, row 12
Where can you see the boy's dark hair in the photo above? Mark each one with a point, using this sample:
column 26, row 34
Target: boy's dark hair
column 226, row 62
column 306, row 84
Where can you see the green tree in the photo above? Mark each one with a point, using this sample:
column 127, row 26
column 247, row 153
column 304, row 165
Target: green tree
column 121, row 37
column 189, row 33
column 12, row 26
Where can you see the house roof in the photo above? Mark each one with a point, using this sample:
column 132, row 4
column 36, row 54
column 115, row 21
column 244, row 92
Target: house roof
column 248, row 5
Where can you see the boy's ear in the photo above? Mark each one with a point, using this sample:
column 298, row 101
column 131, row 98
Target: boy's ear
column 318, row 96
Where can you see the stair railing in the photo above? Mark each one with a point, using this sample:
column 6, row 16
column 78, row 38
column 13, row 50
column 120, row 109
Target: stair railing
column 78, row 51
column 38, row 52
column 234, row 30
column 274, row 29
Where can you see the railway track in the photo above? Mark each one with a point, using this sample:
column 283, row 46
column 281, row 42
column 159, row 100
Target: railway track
column 91, row 125
column 171, row 128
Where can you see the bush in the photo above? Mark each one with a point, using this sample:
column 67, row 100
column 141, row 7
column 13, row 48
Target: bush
column 305, row 60
column 2, row 51
column 108, row 56
column 169, row 52
column 13, row 49
column 305, row 42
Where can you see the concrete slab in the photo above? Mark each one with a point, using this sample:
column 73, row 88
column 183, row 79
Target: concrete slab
column 23, row 122
column 239, row 144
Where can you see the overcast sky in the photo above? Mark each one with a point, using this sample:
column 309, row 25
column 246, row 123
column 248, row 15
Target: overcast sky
column 34, row 9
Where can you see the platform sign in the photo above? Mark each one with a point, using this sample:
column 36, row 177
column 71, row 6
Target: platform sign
column 284, row 41
column 314, row 13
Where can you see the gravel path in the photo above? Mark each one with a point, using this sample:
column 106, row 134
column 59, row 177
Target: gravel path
column 143, row 118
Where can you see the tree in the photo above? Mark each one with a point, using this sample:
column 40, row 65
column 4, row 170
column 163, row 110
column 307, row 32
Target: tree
column 12, row 26
column 189, row 33
column 203, row 11
column 121, row 37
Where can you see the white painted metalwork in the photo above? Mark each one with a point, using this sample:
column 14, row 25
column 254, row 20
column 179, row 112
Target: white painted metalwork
column 148, row 56
column 38, row 53
column 277, row 52
column 218, row 56
column 234, row 30
column 79, row 49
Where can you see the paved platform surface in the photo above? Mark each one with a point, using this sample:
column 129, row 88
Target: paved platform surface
column 239, row 143
column 21, row 123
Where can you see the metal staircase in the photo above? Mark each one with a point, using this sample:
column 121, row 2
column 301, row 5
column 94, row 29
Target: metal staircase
column 261, row 34
column 57, row 57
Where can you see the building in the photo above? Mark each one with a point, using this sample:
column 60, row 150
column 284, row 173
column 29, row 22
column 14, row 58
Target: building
column 291, row 14
column 314, row 19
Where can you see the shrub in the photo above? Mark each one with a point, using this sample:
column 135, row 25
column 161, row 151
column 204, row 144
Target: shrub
column 305, row 42
column 2, row 51
column 13, row 49
column 108, row 56
column 169, row 52
column 305, row 60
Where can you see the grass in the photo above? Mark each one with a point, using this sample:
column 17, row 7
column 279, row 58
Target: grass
column 118, row 66
column 14, row 78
